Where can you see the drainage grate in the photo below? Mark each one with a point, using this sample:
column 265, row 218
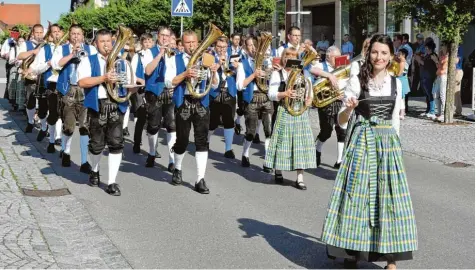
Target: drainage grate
column 458, row 164
column 46, row 193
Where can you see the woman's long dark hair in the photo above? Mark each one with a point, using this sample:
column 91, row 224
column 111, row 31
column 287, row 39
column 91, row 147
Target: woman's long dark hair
column 366, row 69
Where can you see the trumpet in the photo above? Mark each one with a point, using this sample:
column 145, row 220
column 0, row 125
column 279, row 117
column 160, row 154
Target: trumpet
column 169, row 52
column 225, row 66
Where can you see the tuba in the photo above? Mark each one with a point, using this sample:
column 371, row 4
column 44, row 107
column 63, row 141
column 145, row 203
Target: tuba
column 120, row 66
column 301, row 84
column 324, row 92
column 264, row 40
column 200, row 54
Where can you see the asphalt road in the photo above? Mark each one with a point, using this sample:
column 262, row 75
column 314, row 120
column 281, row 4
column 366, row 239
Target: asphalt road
column 247, row 221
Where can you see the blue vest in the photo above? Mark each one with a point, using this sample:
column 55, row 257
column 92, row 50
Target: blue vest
column 248, row 92
column 49, row 72
column 231, row 85
column 179, row 91
column 91, row 99
column 324, row 66
column 155, row 83
column 140, row 68
column 29, row 46
column 63, row 83
column 229, row 51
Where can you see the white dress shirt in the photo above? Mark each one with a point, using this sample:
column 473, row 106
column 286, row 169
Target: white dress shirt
column 40, row 65
column 5, row 51
column 58, row 55
column 353, row 90
column 281, row 49
column 148, row 57
column 274, row 84
column 135, row 59
column 235, row 50
column 241, row 76
column 84, row 71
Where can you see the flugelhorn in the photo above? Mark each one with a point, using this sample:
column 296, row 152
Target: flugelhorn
column 199, row 54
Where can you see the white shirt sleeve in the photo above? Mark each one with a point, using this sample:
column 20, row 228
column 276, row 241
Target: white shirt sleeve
column 93, row 50
column 170, row 71
column 57, row 56
column 354, row 68
column 5, row 48
column 351, row 90
column 274, row 83
column 84, row 69
column 396, row 109
column 240, row 76
column 148, row 57
column 134, row 61
column 279, row 51
column 40, row 65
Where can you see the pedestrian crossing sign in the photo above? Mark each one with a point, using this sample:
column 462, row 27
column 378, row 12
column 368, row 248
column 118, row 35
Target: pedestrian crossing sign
column 183, row 8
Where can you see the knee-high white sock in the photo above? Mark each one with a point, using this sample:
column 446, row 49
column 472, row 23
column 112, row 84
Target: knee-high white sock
column 135, row 120
column 31, row 115
column 178, row 161
column 266, row 145
column 67, row 144
column 260, row 124
column 126, row 118
column 152, row 143
column 95, row 159
column 83, row 145
column 59, row 127
column 114, row 162
column 52, row 129
column 44, row 125
column 340, row 151
column 171, row 138
column 300, row 176
column 246, row 148
column 228, row 133
column 201, row 158
column 238, row 119
column 319, row 145
column 210, row 133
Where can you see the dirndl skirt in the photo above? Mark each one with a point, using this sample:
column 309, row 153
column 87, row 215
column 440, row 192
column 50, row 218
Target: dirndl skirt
column 405, row 85
column 292, row 145
column 16, row 88
column 370, row 214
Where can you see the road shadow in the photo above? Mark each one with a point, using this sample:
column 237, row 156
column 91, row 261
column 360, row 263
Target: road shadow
column 303, row 250
column 324, row 171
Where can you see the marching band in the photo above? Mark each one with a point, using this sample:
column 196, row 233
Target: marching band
column 180, row 83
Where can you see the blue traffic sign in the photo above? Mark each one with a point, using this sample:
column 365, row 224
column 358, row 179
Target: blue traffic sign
column 183, row 8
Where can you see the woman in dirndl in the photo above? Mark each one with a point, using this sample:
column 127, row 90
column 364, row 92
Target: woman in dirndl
column 16, row 87
column 370, row 214
column 292, row 145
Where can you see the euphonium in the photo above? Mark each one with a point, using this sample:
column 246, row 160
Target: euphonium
column 261, row 54
column 213, row 34
column 121, row 66
column 324, row 92
column 25, row 65
column 301, row 84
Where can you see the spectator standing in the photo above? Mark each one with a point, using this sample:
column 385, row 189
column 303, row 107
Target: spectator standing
column 347, row 47
column 459, row 78
column 428, row 66
column 322, row 46
column 439, row 88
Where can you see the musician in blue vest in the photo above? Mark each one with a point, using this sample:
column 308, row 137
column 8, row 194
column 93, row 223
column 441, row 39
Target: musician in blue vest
column 190, row 110
column 105, row 115
column 48, row 103
column 160, row 105
column 66, row 60
column 256, row 101
column 223, row 98
column 235, row 49
column 28, row 49
column 294, row 40
column 138, row 107
column 328, row 114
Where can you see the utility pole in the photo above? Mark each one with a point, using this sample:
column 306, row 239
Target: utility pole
column 231, row 17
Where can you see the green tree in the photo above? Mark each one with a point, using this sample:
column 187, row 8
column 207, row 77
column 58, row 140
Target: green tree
column 449, row 20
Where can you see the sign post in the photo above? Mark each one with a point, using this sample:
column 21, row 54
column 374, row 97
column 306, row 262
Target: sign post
column 182, row 8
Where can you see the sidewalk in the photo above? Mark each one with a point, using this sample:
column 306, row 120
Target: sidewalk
column 428, row 139
column 44, row 232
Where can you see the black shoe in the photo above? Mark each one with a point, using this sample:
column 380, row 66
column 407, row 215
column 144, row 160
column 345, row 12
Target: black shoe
column 245, row 162
column 125, row 133
column 300, row 185
column 256, row 139
column 318, row 158
column 113, row 189
column 58, row 142
column 177, row 177
column 41, row 135
column 150, row 161
column 171, row 167
column 279, row 179
column 201, row 187
column 337, row 165
column 229, row 154
column 94, row 179
column 350, row 264
column 237, row 129
column 136, row 148
column 61, row 154
column 157, row 154
column 85, row 168
column 51, row 148
column 66, row 160
column 267, row 169
column 29, row 128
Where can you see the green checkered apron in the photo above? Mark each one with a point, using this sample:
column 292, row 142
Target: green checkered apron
column 292, row 144
column 21, row 93
column 370, row 209
column 12, row 86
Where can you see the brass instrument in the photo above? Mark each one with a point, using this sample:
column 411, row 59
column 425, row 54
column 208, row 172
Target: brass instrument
column 169, row 52
column 25, row 65
column 394, row 68
column 324, row 92
column 300, row 84
column 199, row 54
column 120, row 66
column 261, row 54
column 225, row 66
